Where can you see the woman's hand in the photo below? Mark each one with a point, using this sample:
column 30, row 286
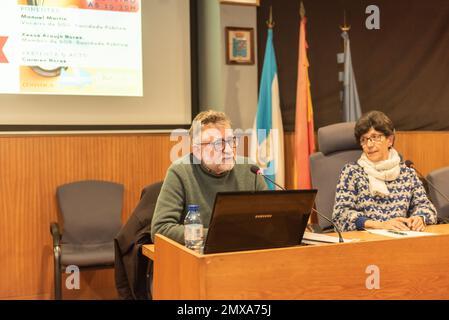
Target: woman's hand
column 402, row 224
column 414, row 223
column 417, row 223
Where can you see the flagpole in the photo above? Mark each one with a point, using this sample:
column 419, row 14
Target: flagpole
column 345, row 27
column 302, row 10
column 270, row 22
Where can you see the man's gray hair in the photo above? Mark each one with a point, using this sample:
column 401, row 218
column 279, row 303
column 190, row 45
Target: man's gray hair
column 207, row 117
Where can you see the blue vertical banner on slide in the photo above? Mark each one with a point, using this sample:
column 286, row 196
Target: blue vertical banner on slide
column 82, row 47
column 267, row 139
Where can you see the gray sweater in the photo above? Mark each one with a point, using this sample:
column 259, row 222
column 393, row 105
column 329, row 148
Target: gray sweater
column 186, row 183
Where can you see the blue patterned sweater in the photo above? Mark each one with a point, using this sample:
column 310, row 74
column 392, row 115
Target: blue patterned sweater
column 354, row 203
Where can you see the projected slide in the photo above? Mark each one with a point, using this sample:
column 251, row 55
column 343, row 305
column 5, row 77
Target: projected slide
column 79, row 47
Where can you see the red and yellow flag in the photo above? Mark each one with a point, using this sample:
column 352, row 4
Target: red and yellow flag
column 304, row 133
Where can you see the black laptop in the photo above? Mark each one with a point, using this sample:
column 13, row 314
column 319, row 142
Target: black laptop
column 258, row 220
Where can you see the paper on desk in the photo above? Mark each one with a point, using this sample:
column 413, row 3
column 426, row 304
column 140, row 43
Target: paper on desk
column 317, row 238
column 399, row 234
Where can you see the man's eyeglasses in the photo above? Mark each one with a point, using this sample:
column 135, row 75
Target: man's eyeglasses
column 374, row 138
column 220, row 144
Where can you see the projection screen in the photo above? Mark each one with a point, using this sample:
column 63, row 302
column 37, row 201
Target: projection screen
column 88, row 63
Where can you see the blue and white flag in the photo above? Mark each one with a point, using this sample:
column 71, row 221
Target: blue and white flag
column 351, row 103
column 267, row 140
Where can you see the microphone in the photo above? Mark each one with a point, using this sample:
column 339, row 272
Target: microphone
column 411, row 165
column 256, row 170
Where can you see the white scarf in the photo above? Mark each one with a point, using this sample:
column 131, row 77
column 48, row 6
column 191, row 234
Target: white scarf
column 379, row 172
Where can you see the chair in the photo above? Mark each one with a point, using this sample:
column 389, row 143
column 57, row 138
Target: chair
column 439, row 179
column 91, row 216
column 337, row 147
column 133, row 271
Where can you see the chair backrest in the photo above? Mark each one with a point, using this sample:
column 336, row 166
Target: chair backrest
column 91, row 211
column 148, row 199
column 440, row 179
column 338, row 147
column 133, row 278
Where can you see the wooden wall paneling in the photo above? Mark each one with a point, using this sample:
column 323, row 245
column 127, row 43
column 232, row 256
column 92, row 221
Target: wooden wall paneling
column 32, row 167
column 428, row 150
column 289, row 160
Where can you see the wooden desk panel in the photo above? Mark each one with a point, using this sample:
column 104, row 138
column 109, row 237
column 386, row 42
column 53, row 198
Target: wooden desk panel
column 148, row 251
column 410, row 268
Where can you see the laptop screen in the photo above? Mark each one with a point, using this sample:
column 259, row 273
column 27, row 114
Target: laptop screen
column 258, row 220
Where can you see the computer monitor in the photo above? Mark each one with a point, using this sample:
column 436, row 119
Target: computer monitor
column 258, row 220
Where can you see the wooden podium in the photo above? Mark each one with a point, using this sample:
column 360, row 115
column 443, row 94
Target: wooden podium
column 408, row 268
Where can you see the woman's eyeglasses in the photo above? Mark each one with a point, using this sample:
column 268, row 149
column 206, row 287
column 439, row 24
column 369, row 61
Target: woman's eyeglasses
column 374, row 138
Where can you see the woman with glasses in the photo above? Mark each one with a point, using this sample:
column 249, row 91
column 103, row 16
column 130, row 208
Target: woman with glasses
column 379, row 191
column 212, row 167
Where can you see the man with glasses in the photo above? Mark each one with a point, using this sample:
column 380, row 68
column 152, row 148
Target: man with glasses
column 212, row 167
column 379, row 191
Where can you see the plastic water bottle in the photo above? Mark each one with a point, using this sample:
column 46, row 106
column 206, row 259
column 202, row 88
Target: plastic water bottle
column 193, row 229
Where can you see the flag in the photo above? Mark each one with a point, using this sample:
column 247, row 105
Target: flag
column 351, row 104
column 304, row 133
column 267, row 143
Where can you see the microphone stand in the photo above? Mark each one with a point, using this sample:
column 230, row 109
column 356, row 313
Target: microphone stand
column 340, row 237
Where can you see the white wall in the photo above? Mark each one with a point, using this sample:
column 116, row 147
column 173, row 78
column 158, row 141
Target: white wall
column 228, row 88
column 210, row 56
column 240, row 81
